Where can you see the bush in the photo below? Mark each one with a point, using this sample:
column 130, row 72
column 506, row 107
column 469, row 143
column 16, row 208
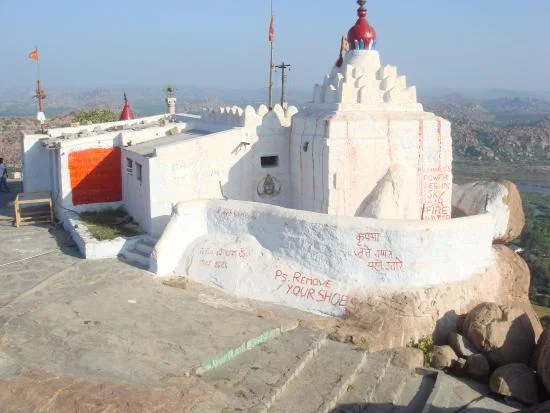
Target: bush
column 426, row 344
column 96, row 116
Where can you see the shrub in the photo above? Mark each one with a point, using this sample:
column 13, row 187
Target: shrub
column 426, row 344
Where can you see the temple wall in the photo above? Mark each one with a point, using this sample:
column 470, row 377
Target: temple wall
column 401, row 162
column 37, row 164
column 233, row 163
column 312, row 261
column 136, row 188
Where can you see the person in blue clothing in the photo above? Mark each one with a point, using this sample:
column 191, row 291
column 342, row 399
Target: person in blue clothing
column 3, row 176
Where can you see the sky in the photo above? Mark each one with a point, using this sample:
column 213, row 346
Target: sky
column 474, row 44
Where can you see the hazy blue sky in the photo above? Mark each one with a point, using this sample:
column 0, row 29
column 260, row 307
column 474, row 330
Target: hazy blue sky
column 449, row 43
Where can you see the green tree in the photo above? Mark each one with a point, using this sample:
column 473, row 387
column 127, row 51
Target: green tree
column 96, row 115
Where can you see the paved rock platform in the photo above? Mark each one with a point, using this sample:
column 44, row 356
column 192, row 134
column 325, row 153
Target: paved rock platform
column 104, row 336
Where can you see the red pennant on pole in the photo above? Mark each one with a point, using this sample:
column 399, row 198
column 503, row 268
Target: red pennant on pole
column 272, row 29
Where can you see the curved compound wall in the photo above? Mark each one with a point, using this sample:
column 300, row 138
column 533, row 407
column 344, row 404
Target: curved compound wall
column 315, row 261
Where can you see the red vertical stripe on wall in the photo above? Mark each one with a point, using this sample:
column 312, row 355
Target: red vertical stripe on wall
column 95, row 176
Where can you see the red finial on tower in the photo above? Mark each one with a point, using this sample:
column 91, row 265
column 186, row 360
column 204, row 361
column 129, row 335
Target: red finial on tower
column 127, row 113
column 362, row 35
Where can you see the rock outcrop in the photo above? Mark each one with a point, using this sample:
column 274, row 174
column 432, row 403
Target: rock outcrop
column 477, row 367
column 515, row 380
column 542, row 358
column 386, row 318
column 443, row 357
column 541, row 408
column 461, row 345
column 499, row 197
column 505, row 336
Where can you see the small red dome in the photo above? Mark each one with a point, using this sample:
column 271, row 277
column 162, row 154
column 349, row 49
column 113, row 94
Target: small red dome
column 361, row 31
column 126, row 113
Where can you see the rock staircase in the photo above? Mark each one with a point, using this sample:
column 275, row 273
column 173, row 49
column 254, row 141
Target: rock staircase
column 303, row 371
column 138, row 255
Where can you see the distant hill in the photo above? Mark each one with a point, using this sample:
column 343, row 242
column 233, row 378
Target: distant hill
column 487, row 124
column 505, row 128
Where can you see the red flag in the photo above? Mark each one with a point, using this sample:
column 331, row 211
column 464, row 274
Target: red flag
column 34, row 55
column 272, row 29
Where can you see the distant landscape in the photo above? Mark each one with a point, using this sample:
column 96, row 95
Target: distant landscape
column 497, row 126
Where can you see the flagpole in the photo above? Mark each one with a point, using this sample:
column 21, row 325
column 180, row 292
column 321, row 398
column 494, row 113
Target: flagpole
column 39, row 86
column 271, row 67
column 37, row 65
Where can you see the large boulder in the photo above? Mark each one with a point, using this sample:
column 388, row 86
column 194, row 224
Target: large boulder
column 478, row 367
column 515, row 380
column 504, row 335
column 542, row 358
column 477, row 320
column 499, row 197
column 444, row 357
column 461, row 345
column 408, row 358
column 541, row 408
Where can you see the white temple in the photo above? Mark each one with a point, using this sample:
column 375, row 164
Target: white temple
column 363, row 148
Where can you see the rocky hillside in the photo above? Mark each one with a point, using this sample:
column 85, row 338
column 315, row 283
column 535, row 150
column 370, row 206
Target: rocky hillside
column 10, row 132
column 485, row 127
column 506, row 129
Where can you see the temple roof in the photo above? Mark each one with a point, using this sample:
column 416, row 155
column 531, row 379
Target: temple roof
column 126, row 113
column 362, row 35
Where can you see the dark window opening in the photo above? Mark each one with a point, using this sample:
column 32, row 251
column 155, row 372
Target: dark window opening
column 306, row 146
column 270, row 161
column 129, row 166
column 138, row 172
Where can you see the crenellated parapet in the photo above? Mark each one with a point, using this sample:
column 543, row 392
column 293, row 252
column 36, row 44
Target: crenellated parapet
column 249, row 117
column 363, row 80
column 231, row 116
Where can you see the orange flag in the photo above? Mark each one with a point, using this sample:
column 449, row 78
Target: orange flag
column 34, row 55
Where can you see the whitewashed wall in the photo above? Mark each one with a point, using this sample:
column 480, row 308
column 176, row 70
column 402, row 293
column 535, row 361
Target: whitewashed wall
column 37, row 165
column 314, row 261
column 57, row 132
column 136, row 194
column 222, row 164
column 349, row 153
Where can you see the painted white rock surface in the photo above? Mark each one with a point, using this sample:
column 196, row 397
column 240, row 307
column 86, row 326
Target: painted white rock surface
column 498, row 197
column 314, row 261
column 391, row 197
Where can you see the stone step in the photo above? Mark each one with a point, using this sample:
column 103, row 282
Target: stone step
column 389, row 390
column 143, row 248
column 366, row 381
column 258, row 376
column 382, row 387
column 415, row 394
column 451, row 394
column 149, row 240
column 135, row 258
column 323, row 381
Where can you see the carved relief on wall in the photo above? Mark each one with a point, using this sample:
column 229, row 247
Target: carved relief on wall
column 269, row 187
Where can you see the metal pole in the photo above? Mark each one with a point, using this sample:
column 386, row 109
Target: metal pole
column 271, row 68
column 283, row 68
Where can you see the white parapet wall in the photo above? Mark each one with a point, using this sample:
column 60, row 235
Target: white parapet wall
column 313, row 261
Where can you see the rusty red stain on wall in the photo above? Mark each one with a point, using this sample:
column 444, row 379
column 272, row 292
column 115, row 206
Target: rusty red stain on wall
column 95, row 176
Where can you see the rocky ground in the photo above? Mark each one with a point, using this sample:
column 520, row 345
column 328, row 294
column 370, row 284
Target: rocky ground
column 102, row 336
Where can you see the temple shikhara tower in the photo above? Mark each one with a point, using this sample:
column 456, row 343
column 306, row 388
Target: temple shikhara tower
column 374, row 151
